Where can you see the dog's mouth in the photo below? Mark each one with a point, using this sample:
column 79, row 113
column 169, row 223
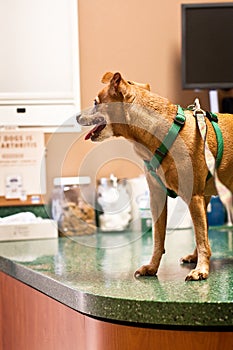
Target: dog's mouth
column 95, row 132
column 98, row 121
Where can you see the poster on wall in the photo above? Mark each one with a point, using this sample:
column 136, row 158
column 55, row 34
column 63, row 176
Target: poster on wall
column 22, row 163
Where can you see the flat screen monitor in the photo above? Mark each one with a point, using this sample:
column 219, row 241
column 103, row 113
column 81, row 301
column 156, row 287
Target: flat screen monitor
column 207, row 46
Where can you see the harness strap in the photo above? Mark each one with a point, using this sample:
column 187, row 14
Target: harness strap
column 170, row 138
column 223, row 192
column 214, row 121
column 163, row 149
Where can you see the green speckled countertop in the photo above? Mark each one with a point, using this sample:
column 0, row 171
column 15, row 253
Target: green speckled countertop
column 94, row 275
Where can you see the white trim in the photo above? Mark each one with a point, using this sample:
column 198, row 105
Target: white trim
column 75, row 180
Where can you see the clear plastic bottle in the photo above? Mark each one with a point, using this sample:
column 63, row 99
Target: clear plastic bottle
column 113, row 204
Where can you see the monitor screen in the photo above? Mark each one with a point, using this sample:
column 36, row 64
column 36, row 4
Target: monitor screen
column 207, row 46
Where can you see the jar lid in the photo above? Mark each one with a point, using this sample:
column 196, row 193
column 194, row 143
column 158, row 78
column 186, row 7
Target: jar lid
column 75, row 180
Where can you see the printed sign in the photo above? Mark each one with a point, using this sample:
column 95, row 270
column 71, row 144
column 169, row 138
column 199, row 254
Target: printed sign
column 22, row 163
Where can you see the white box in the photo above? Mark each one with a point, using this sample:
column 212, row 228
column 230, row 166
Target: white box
column 45, row 228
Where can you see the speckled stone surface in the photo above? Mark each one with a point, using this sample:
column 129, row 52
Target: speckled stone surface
column 94, row 275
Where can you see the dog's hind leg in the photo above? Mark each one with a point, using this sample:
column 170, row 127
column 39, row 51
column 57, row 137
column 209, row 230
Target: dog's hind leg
column 198, row 212
column 158, row 200
column 190, row 258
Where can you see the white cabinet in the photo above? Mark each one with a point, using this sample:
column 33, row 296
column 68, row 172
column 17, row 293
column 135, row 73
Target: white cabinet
column 39, row 62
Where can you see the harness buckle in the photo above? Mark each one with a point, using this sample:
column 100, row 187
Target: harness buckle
column 179, row 120
column 197, row 109
column 212, row 117
column 160, row 153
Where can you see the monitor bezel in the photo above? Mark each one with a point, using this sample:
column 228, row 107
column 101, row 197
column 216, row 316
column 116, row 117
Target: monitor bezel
column 199, row 86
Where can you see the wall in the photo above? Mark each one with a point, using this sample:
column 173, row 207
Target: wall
column 142, row 40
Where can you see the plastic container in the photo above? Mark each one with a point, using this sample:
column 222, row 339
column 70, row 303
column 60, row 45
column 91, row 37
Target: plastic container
column 71, row 206
column 178, row 214
column 216, row 212
column 146, row 220
column 141, row 215
column 145, row 212
column 113, row 205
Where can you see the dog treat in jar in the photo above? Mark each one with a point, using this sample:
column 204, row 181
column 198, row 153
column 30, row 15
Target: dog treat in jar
column 72, row 207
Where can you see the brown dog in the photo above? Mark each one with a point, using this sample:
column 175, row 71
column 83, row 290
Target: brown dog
column 128, row 109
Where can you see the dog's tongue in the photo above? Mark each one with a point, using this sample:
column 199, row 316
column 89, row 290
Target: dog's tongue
column 91, row 132
column 95, row 131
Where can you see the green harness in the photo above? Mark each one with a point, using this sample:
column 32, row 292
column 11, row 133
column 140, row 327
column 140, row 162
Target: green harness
column 170, row 138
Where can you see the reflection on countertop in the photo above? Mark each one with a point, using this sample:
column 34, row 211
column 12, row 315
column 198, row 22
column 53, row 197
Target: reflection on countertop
column 94, row 275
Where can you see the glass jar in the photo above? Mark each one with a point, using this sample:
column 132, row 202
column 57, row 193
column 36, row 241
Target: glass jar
column 71, row 206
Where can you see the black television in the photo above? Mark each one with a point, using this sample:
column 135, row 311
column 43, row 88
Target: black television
column 207, row 46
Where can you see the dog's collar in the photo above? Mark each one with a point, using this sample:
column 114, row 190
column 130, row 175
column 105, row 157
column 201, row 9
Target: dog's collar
column 164, row 147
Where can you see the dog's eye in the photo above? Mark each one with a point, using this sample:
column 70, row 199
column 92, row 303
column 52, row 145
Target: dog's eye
column 130, row 82
column 96, row 101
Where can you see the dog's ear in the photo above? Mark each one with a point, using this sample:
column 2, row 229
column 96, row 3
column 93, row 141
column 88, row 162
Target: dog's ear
column 115, row 81
column 118, row 86
column 147, row 86
column 107, row 78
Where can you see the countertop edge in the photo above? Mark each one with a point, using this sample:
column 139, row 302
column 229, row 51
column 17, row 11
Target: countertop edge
column 135, row 311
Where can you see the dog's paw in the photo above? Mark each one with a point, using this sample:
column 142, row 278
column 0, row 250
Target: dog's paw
column 146, row 270
column 191, row 258
column 197, row 275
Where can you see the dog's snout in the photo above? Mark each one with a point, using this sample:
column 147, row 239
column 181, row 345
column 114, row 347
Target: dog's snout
column 89, row 119
column 99, row 119
column 78, row 116
column 82, row 120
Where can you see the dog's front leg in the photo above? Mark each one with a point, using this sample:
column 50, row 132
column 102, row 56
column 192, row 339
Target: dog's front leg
column 158, row 202
column 198, row 212
column 192, row 258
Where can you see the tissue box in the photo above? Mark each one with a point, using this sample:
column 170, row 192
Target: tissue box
column 45, row 228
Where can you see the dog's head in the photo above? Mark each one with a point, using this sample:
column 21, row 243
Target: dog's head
column 109, row 114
